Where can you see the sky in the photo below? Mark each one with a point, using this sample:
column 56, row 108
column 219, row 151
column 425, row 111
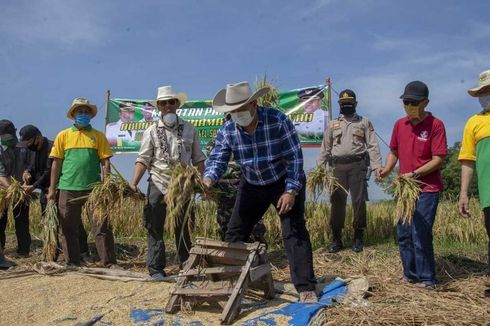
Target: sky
column 52, row 51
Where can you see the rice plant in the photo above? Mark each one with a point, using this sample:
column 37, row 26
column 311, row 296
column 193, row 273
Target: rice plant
column 406, row 191
column 270, row 99
column 50, row 231
column 321, row 179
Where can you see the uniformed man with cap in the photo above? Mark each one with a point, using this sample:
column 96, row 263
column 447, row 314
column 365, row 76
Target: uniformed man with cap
column 116, row 135
column 349, row 147
column 311, row 99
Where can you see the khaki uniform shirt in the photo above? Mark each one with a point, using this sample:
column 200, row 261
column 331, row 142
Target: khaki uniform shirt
column 158, row 156
column 346, row 138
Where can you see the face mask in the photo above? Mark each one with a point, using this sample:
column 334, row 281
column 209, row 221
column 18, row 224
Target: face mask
column 8, row 140
column 83, row 119
column 243, row 118
column 347, row 109
column 413, row 111
column 485, row 102
column 170, row 120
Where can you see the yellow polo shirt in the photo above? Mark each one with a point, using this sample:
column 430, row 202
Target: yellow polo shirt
column 81, row 151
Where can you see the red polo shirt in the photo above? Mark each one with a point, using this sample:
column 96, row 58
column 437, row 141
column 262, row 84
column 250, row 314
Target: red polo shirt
column 417, row 144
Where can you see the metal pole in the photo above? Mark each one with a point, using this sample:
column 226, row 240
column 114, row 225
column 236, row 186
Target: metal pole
column 107, row 98
column 329, row 94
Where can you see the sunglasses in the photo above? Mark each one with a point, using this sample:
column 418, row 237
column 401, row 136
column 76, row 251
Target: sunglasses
column 411, row 102
column 170, row 102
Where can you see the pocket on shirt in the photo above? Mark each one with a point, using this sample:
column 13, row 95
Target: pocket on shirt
column 358, row 135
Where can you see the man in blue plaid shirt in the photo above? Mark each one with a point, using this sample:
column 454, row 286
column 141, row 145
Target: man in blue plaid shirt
column 264, row 143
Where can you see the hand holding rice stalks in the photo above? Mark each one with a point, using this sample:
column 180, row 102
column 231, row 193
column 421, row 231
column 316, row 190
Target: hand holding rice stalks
column 108, row 196
column 406, row 191
column 13, row 195
column 322, row 179
column 50, row 231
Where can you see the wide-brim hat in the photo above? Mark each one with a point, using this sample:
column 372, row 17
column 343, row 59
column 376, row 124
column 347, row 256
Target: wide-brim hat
column 234, row 96
column 483, row 85
column 80, row 101
column 167, row 93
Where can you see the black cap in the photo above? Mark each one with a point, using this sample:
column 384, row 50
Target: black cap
column 7, row 127
column 347, row 95
column 310, row 92
column 415, row 90
column 28, row 132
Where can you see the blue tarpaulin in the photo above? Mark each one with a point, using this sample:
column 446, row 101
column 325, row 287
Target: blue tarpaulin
column 301, row 313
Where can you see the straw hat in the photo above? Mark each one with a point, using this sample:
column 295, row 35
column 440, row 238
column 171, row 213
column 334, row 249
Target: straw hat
column 166, row 93
column 234, row 96
column 484, row 85
column 80, row 101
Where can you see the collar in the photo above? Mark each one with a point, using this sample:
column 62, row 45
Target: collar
column 407, row 120
column 355, row 117
column 87, row 128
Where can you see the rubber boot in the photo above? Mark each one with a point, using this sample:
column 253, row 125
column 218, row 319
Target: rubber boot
column 358, row 240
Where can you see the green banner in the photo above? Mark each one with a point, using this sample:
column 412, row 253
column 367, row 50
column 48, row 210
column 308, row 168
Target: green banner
column 127, row 119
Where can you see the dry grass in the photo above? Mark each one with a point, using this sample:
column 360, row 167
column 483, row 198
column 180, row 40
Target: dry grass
column 322, row 180
column 270, row 99
column 50, row 231
column 13, row 195
column 406, row 192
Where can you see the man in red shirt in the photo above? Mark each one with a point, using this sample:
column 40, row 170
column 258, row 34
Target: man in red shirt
column 419, row 143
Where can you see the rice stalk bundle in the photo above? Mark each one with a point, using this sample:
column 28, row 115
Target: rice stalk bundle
column 50, row 231
column 406, row 191
column 13, row 195
column 321, row 179
column 108, row 196
column 271, row 98
column 185, row 182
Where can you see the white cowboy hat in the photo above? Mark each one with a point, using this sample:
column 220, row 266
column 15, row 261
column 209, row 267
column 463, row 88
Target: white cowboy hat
column 166, row 93
column 484, row 84
column 80, row 101
column 234, row 96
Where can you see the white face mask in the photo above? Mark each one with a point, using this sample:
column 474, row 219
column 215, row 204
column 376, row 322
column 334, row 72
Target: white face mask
column 170, row 120
column 243, row 118
column 485, row 102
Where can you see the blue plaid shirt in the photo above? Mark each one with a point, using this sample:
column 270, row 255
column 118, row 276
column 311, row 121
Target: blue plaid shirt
column 272, row 152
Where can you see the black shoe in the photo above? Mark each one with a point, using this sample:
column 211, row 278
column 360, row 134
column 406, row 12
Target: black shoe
column 336, row 246
column 358, row 245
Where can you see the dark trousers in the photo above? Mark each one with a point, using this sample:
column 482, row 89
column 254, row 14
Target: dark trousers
column 70, row 213
column 486, row 212
column 224, row 212
column 154, row 216
column 252, row 203
column 81, row 232
column 415, row 240
column 352, row 176
column 21, row 221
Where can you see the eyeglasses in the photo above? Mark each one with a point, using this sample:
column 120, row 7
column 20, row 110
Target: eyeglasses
column 172, row 101
column 411, row 102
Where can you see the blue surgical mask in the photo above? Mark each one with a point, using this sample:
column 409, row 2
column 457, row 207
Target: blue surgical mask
column 83, row 119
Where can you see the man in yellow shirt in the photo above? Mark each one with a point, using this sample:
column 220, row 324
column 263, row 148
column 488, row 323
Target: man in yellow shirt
column 78, row 153
column 475, row 152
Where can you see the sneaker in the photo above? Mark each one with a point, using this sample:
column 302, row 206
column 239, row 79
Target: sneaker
column 20, row 255
column 425, row 285
column 336, row 246
column 358, row 245
column 308, row 297
column 116, row 267
column 158, row 277
column 407, row 280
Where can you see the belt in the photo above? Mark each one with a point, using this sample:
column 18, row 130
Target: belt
column 349, row 158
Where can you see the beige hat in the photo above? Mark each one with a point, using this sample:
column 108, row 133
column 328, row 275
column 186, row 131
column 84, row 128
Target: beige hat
column 166, row 93
column 80, row 101
column 234, row 96
column 484, row 85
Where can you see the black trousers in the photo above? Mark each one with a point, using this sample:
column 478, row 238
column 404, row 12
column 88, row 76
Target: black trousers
column 352, row 176
column 21, row 221
column 154, row 214
column 251, row 204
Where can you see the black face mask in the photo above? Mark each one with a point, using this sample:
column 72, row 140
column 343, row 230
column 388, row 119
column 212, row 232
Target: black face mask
column 347, row 109
column 32, row 147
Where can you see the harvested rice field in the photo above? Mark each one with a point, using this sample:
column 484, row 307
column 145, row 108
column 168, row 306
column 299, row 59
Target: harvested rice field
column 72, row 298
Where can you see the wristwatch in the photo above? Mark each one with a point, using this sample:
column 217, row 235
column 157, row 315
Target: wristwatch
column 415, row 175
column 292, row 192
